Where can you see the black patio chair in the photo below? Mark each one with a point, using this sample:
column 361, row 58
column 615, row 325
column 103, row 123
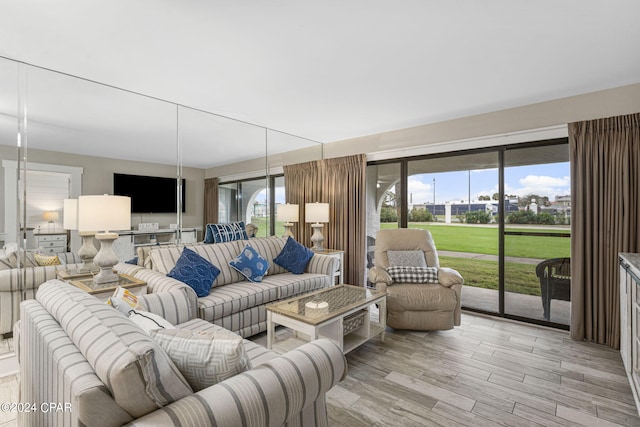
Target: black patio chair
column 555, row 282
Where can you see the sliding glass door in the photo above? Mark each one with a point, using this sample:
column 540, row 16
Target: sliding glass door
column 499, row 216
column 455, row 198
column 537, row 233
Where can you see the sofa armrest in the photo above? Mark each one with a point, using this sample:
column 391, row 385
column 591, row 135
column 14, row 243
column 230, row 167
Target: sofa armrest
column 274, row 393
column 449, row 277
column 379, row 275
column 323, row 264
column 174, row 305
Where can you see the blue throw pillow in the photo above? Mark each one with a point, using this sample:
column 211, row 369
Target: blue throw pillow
column 133, row 261
column 294, row 256
column 250, row 264
column 220, row 233
column 195, row 271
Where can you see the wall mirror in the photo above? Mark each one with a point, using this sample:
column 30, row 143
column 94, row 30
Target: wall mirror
column 80, row 133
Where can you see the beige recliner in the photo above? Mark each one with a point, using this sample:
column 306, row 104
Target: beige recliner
column 417, row 306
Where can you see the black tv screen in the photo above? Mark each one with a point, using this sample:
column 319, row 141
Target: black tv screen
column 149, row 194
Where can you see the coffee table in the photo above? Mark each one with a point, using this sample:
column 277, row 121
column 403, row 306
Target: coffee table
column 340, row 313
column 103, row 291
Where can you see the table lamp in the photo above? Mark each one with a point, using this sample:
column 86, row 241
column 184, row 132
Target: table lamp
column 51, row 217
column 288, row 214
column 70, row 222
column 108, row 213
column 317, row 213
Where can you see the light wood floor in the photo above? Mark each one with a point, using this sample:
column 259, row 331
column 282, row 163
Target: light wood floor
column 486, row 372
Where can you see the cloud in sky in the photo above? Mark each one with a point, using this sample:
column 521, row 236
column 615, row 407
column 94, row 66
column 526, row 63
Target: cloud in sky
column 542, row 185
column 420, row 192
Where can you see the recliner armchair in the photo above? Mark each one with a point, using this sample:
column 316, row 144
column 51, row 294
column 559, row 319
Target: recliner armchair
column 416, row 306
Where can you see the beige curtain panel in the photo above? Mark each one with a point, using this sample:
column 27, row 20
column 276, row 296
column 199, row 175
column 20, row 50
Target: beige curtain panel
column 210, row 201
column 605, row 187
column 341, row 183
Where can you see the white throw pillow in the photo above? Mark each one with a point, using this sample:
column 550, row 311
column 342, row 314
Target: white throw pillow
column 204, row 358
column 149, row 321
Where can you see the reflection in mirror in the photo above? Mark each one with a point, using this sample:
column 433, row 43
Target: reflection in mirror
column 79, row 134
column 9, row 224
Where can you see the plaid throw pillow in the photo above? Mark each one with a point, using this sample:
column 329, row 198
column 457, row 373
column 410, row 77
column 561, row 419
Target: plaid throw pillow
column 413, row 274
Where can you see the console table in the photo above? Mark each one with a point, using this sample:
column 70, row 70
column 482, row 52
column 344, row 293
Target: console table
column 125, row 246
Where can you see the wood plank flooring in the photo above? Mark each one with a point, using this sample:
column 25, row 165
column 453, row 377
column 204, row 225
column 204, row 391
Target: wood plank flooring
column 486, row 372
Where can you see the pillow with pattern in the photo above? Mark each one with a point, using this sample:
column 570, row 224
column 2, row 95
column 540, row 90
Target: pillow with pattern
column 220, row 233
column 195, row 271
column 413, row 274
column 250, row 264
column 43, row 259
column 294, row 256
column 406, row 259
column 204, row 358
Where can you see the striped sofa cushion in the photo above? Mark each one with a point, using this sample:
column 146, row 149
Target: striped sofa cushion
column 290, row 284
column 235, row 297
column 269, row 248
column 139, row 375
column 142, row 252
column 219, row 254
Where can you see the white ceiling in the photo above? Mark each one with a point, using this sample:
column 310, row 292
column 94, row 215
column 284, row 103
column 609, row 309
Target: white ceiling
column 324, row 70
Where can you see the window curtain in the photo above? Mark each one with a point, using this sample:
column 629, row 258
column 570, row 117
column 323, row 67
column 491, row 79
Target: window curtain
column 605, row 186
column 341, row 183
column 210, row 201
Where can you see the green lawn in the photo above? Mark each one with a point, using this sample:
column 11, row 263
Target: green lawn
column 519, row 278
column 484, row 240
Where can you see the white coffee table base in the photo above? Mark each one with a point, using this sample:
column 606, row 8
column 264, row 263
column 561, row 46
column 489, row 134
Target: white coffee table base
column 333, row 328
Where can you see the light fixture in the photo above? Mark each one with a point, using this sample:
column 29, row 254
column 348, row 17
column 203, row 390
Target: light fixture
column 288, row 214
column 108, row 213
column 70, row 222
column 51, row 216
column 317, row 213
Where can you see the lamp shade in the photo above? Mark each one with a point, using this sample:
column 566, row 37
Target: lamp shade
column 104, row 212
column 288, row 213
column 316, row 212
column 70, row 214
column 51, row 215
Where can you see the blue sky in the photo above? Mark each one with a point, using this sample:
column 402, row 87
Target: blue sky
column 545, row 180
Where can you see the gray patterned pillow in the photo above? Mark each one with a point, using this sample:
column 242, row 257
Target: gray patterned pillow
column 406, row 259
column 204, row 358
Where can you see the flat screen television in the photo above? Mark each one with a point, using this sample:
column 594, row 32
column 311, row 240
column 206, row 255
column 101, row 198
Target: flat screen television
column 149, row 194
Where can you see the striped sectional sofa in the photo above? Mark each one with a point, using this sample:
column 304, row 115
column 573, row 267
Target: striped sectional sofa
column 83, row 363
column 11, row 295
column 235, row 303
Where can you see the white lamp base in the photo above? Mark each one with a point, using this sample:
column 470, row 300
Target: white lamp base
column 288, row 230
column 106, row 259
column 87, row 252
column 317, row 238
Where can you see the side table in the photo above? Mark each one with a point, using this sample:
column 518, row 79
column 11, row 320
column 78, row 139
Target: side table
column 104, row 290
column 336, row 253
